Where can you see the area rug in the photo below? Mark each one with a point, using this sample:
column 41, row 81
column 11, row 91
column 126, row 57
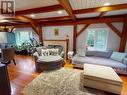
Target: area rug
column 59, row 82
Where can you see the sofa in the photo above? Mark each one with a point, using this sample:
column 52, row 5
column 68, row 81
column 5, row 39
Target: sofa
column 100, row 58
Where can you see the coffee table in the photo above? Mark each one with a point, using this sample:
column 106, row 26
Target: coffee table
column 102, row 77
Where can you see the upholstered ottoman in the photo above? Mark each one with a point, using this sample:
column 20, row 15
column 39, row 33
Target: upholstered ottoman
column 46, row 63
column 101, row 77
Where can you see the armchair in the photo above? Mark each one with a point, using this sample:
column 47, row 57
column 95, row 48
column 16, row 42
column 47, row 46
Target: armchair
column 7, row 55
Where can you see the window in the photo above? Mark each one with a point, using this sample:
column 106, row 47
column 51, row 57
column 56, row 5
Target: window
column 22, row 37
column 97, row 39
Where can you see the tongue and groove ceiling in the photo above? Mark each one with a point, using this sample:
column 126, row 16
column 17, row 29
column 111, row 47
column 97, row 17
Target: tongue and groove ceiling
column 48, row 9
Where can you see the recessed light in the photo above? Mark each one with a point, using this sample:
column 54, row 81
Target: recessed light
column 59, row 12
column 4, row 20
column 32, row 15
column 106, row 4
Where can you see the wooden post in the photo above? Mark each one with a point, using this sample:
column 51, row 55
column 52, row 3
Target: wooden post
column 123, row 38
column 74, row 37
column 40, row 33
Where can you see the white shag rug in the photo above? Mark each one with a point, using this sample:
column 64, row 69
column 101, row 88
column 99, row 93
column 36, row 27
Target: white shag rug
column 59, row 82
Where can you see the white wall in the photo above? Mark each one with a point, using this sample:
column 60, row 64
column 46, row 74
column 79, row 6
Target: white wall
column 112, row 42
column 48, row 33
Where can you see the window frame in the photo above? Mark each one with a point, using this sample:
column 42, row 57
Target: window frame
column 95, row 39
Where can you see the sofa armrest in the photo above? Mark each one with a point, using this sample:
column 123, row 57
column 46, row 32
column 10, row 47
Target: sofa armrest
column 125, row 61
column 62, row 54
column 35, row 55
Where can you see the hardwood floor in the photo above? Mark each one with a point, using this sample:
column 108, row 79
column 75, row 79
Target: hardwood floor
column 24, row 72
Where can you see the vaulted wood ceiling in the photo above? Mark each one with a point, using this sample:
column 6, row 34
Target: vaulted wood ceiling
column 72, row 10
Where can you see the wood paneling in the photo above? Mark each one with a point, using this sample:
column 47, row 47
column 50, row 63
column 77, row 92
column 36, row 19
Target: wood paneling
column 84, row 4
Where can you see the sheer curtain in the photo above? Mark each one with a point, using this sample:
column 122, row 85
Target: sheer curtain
column 22, row 37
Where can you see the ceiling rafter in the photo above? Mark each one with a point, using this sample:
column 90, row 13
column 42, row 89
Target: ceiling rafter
column 31, row 21
column 85, row 26
column 54, row 18
column 101, row 9
column 86, row 21
column 66, row 5
column 102, row 14
column 114, row 29
column 40, row 10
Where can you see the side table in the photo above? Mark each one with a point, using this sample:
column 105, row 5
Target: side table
column 70, row 55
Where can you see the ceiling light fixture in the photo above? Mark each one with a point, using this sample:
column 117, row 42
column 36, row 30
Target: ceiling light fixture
column 59, row 12
column 32, row 15
column 106, row 4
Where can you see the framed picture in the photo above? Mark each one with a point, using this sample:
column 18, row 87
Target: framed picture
column 56, row 32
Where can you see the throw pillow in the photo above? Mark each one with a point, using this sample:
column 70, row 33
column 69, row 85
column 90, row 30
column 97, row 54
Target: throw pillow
column 44, row 52
column 118, row 56
column 53, row 52
column 103, row 54
column 90, row 53
column 125, row 61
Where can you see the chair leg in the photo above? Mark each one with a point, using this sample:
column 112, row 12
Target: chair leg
column 14, row 61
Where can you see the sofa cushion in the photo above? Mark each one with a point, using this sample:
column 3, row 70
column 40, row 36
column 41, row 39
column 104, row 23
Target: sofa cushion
column 118, row 56
column 104, row 54
column 98, row 61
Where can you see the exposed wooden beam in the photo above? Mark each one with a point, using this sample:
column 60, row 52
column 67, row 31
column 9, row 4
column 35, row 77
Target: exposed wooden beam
column 85, row 21
column 40, row 33
column 31, row 21
column 22, row 25
column 83, row 29
column 74, row 37
column 114, row 29
column 102, row 20
column 102, row 14
column 123, row 38
column 54, row 18
column 40, row 10
column 101, row 9
column 57, row 23
column 66, row 5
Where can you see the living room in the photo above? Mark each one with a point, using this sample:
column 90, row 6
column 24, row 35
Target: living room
column 63, row 47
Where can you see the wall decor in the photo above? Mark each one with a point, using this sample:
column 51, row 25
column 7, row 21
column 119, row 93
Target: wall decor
column 56, row 31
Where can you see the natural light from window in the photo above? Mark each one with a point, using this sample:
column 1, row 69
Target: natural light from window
column 97, row 38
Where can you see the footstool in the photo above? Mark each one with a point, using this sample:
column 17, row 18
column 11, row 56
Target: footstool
column 46, row 63
column 102, row 77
